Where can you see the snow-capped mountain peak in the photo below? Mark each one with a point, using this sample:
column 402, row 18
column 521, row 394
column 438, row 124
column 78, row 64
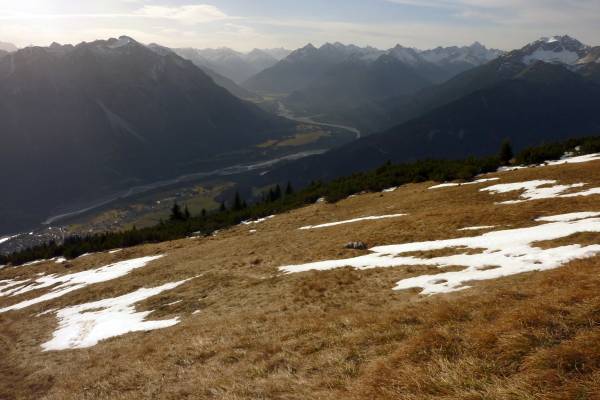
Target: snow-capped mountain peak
column 120, row 42
column 301, row 53
column 555, row 50
column 475, row 54
column 407, row 55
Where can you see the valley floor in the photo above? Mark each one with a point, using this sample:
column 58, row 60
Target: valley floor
column 247, row 314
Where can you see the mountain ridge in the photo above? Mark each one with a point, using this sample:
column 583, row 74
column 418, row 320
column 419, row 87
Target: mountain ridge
column 112, row 108
column 471, row 115
column 232, row 64
column 436, row 64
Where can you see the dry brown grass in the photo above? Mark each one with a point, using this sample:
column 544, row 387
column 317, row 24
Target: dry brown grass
column 583, row 239
column 334, row 334
column 532, row 336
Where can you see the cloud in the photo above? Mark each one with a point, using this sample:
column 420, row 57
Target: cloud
column 426, row 3
column 189, row 14
column 537, row 12
column 192, row 14
column 502, row 24
column 517, row 21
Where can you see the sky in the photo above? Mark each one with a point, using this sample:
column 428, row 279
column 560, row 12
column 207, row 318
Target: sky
column 247, row 24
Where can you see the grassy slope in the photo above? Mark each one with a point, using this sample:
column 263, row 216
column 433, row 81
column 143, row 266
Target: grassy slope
column 385, row 176
column 335, row 334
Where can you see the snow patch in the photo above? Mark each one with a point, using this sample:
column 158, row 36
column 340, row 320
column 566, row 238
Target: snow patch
column 566, row 159
column 50, row 311
column 85, row 325
column 539, row 189
column 477, row 228
column 121, row 42
column 569, row 217
column 86, row 255
column 350, row 221
column 7, row 286
column 258, row 221
column 71, row 282
column 508, row 169
column 34, row 263
column 575, row 159
column 450, row 184
column 7, row 238
column 550, row 56
column 504, row 253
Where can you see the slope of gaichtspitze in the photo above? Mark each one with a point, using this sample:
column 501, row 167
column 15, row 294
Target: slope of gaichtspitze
column 485, row 290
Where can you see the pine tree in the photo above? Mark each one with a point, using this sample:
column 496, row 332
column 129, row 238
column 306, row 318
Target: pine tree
column 176, row 214
column 506, row 152
column 203, row 213
column 289, row 190
column 271, row 195
column 237, row 202
column 277, row 192
column 186, row 213
column 222, row 208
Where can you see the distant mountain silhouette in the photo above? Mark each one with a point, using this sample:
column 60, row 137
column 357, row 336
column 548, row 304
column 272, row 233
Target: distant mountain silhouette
column 230, row 63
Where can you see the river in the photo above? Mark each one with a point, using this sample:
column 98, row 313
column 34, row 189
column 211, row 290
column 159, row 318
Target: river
column 286, row 113
column 227, row 171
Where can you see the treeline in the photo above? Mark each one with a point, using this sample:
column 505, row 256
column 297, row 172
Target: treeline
column 276, row 200
column 554, row 151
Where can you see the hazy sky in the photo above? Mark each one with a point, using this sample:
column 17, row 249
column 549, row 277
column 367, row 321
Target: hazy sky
column 245, row 24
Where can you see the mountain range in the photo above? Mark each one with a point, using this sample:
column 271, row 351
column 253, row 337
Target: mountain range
column 333, row 80
column 545, row 91
column 81, row 122
column 305, row 65
column 442, row 63
column 356, row 81
column 219, row 79
column 232, row 64
column 385, row 113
